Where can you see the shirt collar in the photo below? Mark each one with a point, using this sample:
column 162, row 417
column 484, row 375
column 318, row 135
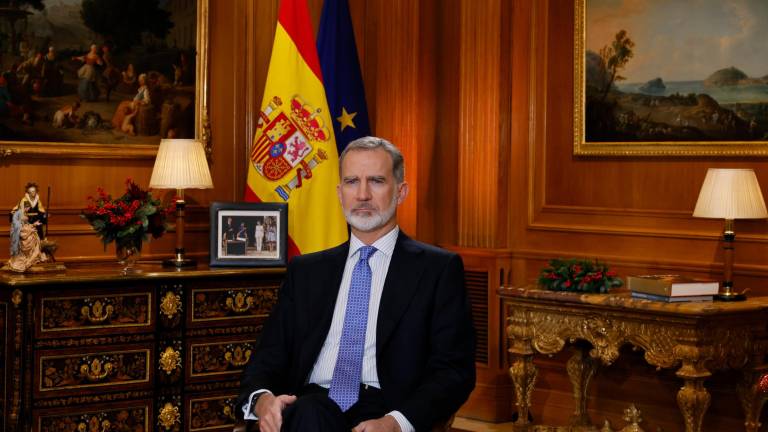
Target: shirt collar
column 385, row 244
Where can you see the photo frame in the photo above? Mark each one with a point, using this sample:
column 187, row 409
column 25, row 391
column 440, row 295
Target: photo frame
column 249, row 234
column 69, row 100
column 665, row 79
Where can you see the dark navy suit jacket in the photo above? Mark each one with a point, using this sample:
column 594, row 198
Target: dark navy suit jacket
column 424, row 337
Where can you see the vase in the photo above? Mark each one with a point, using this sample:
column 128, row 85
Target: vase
column 128, row 253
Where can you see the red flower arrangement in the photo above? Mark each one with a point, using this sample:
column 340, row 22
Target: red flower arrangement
column 127, row 220
column 578, row 276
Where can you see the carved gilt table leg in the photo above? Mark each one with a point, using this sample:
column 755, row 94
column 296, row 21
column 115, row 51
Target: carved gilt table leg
column 523, row 373
column 693, row 398
column 522, row 370
column 753, row 393
column 581, row 368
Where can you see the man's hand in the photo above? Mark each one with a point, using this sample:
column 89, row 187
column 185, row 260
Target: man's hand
column 269, row 409
column 383, row 424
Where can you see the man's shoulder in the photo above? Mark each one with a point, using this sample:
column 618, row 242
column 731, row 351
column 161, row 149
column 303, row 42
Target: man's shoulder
column 320, row 257
column 429, row 250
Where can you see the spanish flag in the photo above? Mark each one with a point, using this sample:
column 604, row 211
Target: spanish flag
column 293, row 157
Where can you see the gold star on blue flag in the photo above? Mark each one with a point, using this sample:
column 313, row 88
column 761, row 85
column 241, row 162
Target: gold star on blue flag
column 346, row 119
column 341, row 73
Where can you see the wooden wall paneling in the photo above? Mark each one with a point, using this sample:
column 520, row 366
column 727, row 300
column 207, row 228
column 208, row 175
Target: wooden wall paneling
column 440, row 226
column 397, row 107
column 492, row 398
column 480, row 67
column 634, row 213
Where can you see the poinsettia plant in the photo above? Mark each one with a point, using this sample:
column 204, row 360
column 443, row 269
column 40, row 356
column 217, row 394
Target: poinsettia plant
column 129, row 219
column 578, row 276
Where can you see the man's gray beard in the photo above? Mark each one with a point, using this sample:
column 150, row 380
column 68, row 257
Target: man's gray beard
column 374, row 221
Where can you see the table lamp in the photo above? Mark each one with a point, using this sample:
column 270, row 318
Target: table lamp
column 180, row 164
column 730, row 194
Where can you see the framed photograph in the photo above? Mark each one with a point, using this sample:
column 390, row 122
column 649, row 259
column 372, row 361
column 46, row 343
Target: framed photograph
column 249, row 234
column 102, row 79
column 670, row 78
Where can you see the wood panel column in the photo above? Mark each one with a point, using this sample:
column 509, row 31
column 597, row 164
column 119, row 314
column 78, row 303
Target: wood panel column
column 484, row 91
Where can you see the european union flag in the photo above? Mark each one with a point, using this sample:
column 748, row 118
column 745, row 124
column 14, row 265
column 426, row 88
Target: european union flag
column 341, row 74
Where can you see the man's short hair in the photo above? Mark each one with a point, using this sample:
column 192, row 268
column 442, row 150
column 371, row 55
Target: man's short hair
column 373, row 143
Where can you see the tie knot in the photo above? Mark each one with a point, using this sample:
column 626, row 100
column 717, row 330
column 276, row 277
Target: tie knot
column 366, row 252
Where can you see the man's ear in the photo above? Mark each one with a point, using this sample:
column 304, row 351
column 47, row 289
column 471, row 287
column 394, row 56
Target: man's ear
column 338, row 192
column 402, row 192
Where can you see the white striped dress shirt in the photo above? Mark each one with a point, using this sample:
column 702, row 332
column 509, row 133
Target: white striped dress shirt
column 322, row 372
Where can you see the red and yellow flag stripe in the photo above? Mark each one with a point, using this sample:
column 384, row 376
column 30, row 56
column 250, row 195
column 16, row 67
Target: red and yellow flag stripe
column 294, row 80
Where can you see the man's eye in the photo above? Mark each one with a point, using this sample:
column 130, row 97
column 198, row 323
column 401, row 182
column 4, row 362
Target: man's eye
column 350, row 181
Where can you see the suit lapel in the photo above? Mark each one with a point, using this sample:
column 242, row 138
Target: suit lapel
column 401, row 284
column 322, row 303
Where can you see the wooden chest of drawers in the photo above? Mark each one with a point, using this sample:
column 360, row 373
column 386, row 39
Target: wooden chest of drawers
column 161, row 350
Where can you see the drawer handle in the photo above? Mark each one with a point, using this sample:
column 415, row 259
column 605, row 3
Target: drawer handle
column 98, row 312
column 169, row 415
column 238, row 355
column 228, row 411
column 170, row 305
column 170, row 360
column 97, row 369
column 240, row 303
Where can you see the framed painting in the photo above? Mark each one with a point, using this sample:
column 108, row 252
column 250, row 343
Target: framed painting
column 249, row 234
column 102, row 79
column 670, row 78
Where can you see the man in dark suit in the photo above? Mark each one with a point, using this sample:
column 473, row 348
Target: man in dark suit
column 372, row 335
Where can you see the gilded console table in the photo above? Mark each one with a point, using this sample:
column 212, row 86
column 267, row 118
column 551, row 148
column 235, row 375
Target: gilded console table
column 91, row 349
column 694, row 338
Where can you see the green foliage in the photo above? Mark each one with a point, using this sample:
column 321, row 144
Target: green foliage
column 576, row 275
column 124, row 22
column 614, row 57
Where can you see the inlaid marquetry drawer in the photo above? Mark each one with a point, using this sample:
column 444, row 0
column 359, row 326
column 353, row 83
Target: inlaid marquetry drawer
column 212, row 359
column 126, row 416
column 92, row 369
column 94, row 314
column 229, row 305
column 211, row 413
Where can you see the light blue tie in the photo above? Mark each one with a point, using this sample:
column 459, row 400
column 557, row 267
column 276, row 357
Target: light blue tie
column 345, row 384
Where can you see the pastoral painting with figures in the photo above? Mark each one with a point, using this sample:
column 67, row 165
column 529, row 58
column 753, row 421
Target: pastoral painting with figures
column 97, row 71
column 671, row 71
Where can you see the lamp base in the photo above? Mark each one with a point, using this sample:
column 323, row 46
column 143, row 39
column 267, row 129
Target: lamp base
column 179, row 262
column 730, row 296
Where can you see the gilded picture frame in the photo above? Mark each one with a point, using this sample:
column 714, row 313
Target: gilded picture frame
column 186, row 93
column 695, row 101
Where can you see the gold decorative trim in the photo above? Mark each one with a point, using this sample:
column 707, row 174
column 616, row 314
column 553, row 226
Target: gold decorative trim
column 678, row 148
column 97, row 420
column 168, row 416
column 227, row 411
column 170, row 360
column 239, row 303
column 148, row 323
column 170, row 305
column 98, row 312
column 94, row 372
column 16, row 297
column 236, row 354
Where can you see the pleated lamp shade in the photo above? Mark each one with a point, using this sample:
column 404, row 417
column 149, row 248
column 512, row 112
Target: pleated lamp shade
column 730, row 194
column 181, row 164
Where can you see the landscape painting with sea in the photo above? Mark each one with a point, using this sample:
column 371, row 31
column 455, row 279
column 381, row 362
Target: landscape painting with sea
column 671, row 71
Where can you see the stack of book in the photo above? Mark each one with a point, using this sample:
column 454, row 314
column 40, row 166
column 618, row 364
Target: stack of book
column 672, row 288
